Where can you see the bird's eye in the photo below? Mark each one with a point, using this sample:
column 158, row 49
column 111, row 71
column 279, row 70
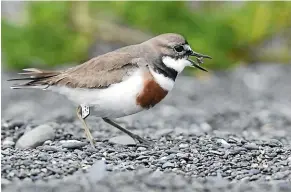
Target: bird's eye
column 179, row 48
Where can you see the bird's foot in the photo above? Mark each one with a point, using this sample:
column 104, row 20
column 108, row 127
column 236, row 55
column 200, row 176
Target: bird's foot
column 141, row 141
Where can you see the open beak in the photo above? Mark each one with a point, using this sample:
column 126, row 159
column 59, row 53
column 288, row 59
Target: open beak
column 199, row 58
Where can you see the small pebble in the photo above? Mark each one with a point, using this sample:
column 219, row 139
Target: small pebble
column 184, row 145
column 251, row 146
column 254, row 171
column 168, row 165
column 72, row 144
column 141, row 149
column 142, row 157
column 183, row 155
column 217, row 152
column 224, row 143
column 43, row 156
column 122, row 140
column 8, row 141
column 48, row 142
column 51, row 148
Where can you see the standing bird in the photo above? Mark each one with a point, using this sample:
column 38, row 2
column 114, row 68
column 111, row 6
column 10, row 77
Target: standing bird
column 119, row 83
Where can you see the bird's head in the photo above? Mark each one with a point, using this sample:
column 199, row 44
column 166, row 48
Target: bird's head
column 175, row 52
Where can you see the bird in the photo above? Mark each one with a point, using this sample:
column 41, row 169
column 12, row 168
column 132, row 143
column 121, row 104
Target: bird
column 119, row 83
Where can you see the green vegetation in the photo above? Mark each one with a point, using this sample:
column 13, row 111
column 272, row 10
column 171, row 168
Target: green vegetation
column 62, row 32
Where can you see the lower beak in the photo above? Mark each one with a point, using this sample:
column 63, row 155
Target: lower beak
column 194, row 64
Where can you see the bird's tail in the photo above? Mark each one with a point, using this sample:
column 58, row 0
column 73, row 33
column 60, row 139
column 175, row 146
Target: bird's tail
column 36, row 78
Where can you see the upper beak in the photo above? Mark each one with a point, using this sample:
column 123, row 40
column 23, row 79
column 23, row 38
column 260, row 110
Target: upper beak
column 199, row 55
column 199, row 58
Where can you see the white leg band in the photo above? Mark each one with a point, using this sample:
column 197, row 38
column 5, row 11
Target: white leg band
column 85, row 111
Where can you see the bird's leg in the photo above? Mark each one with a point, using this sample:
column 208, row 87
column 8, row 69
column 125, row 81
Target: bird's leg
column 132, row 135
column 83, row 111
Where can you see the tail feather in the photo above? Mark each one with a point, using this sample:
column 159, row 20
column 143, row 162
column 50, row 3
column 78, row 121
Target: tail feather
column 37, row 72
column 37, row 78
column 44, row 87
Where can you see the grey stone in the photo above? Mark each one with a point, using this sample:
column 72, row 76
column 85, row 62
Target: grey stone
column 184, row 145
column 97, row 171
column 224, row 143
column 183, row 155
column 122, row 140
column 254, row 171
column 72, row 144
column 43, row 156
column 217, row 152
column 251, row 146
column 142, row 157
column 141, row 149
column 48, row 142
column 51, row 148
column 168, row 165
column 8, row 141
column 36, row 137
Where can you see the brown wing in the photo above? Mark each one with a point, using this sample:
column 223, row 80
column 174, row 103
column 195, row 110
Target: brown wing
column 99, row 72
column 88, row 78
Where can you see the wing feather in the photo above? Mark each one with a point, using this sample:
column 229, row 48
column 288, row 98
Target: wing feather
column 99, row 72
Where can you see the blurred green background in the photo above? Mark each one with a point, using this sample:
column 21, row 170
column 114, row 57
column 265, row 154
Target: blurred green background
column 233, row 33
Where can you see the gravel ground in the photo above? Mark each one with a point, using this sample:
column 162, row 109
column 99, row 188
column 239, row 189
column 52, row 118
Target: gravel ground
column 226, row 132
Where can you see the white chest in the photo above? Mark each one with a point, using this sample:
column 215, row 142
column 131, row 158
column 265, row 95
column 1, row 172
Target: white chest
column 118, row 100
column 176, row 64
